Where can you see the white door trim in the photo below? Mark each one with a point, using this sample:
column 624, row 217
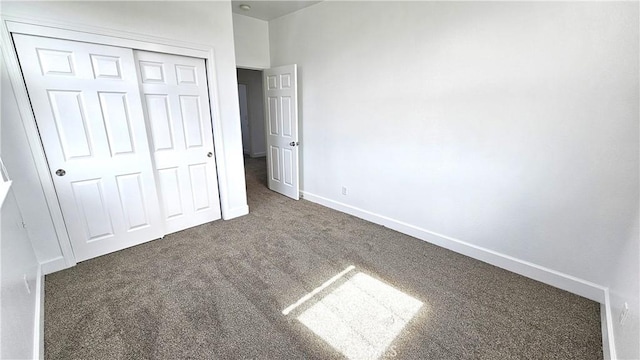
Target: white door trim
column 246, row 132
column 98, row 35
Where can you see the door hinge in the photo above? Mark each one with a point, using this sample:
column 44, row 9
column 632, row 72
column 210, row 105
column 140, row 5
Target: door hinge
column 24, row 224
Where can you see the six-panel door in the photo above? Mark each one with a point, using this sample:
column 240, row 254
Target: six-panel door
column 174, row 94
column 88, row 111
column 281, row 115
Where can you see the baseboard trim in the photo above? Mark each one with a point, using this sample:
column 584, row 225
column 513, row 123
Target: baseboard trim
column 53, row 265
column 548, row 276
column 258, row 154
column 236, row 212
column 606, row 321
column 38, row 322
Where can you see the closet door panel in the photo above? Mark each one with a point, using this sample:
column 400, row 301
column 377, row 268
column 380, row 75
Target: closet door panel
column 174, row 90
column 89, row 115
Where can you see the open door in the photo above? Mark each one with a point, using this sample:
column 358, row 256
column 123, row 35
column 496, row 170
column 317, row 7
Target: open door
column 281, row 117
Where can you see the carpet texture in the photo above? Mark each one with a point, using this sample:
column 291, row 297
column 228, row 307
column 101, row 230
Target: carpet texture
column 217, row 291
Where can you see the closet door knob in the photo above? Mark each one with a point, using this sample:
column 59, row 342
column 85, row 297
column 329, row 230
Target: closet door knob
column 209, row 154
column 61, row 172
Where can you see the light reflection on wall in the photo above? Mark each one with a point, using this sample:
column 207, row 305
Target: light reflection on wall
column 361, row 317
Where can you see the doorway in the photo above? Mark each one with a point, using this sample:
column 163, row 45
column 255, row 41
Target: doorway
column 272, row 102
column 251, row 95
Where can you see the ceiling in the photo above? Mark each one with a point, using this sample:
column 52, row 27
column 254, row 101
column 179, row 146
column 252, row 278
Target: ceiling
column 268, row 10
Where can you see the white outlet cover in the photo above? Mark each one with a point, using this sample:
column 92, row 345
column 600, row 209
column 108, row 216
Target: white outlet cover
column 26, row 283
column 623, row 314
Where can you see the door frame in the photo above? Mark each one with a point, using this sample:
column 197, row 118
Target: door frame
column 263, row 134
column 40, row 27
column 249, row 135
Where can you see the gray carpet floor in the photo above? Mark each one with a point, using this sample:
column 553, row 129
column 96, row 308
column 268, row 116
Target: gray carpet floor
column 217, row 291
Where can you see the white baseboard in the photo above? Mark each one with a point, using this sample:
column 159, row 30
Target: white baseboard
column 38, row 323
column 53, row 265
column 606, row 321
column 258, row 154
column 548, row 276
column 236, row 212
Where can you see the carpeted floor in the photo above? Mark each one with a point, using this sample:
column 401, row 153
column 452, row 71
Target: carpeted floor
column 218, row 291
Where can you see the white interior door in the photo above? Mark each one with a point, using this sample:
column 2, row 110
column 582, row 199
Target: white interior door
column 176, row 103
column 281, row 116
column 88, row 110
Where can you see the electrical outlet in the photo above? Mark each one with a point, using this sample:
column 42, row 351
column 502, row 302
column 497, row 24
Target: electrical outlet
column 344, row 190
column 623, row 314
column 26, row 283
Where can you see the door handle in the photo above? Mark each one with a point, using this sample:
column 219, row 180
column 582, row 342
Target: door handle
column 209, row 154
column 61, row 172
column 294, row 143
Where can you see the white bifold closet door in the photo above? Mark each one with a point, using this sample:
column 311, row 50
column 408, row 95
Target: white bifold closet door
column 174, row 94
column 91, row 119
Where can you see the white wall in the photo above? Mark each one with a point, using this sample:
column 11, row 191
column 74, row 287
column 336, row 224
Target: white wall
column 509, row 126
column 18, row 261
column 19, row 163
column 625, row 287
column 207, row 23
column 20, row 329
column 255, row 97
column 251, row 38
column 17, row 305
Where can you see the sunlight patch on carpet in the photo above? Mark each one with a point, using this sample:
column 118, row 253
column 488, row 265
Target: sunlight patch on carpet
column 361, row 317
